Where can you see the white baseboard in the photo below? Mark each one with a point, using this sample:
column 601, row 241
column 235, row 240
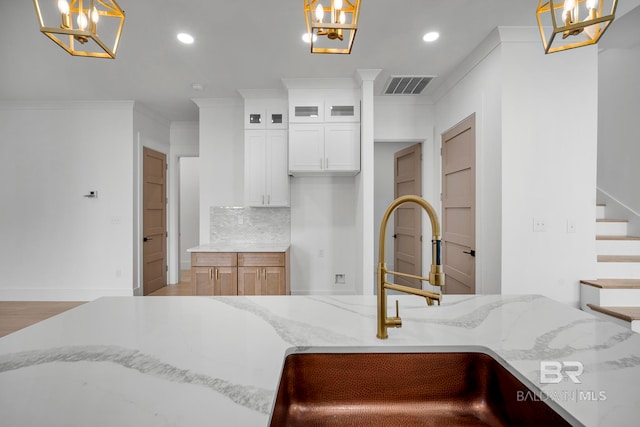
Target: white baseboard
column 61, row 294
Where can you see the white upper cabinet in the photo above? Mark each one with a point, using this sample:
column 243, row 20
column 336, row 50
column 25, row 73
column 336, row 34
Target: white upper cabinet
column 342, row 147
column 324, row 132
column 266, row 172
column 306, row 109
column 324, row 149
column 306, row 148
column 345, row 109
column 265, row 114
column 266, row 180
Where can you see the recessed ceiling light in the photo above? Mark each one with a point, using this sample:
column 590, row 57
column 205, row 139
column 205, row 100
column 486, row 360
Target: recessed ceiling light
column 431, row 36
column 307, row 39
column 185, row 38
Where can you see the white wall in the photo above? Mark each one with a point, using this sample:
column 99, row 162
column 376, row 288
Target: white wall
column 618, row 135
column 549, row 145
column 184, row 143
column 535, row 158
column 322, row 234
column 221, row 157
column 476, row 88
column 403, row 118
column 189, row 208
column 57, row 244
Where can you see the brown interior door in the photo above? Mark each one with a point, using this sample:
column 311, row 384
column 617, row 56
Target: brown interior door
column 154, row 220
column 459, row 207
column 407, row 223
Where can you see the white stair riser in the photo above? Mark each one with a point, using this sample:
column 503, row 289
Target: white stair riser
column 608, row 297
column 618, row 247
column 618, row 270
column 611, row 228
column 600, row 212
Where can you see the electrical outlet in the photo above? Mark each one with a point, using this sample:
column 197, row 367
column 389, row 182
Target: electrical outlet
column 539, row 225
column 571, row 225
column 340, row 279
column 320, row 253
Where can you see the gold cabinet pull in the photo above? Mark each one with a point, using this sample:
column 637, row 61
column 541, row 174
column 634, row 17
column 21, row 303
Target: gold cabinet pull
column 217, row 274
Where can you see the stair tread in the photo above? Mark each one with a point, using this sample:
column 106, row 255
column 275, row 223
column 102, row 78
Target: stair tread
column 611, row 220
column 618, row 258
column 625, row 313
column 607, row 237
column 613, row 283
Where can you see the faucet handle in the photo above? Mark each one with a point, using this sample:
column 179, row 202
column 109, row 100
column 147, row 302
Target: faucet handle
column 394, row 322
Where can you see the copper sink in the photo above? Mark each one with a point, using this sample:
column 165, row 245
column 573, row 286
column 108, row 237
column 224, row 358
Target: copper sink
column 405, row 389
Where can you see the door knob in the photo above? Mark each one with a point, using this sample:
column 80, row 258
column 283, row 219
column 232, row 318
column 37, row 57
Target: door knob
column 470, row 252
column 146, row 239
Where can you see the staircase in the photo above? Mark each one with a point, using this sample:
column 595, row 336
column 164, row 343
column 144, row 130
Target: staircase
column 616, row 294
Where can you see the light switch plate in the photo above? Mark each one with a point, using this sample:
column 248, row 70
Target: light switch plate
column 539, row 225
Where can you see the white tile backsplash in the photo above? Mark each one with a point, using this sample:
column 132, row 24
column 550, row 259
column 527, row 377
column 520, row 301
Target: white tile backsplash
column 250, row 225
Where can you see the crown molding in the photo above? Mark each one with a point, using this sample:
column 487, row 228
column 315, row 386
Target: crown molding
column 66, row 105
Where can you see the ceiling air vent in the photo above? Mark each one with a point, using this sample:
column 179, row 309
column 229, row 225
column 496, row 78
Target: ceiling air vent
column 407, row 85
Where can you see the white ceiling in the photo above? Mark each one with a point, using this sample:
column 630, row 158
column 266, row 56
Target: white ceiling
column 249, row 44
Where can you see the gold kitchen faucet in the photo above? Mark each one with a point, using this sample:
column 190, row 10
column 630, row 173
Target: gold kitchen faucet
column 436, row 275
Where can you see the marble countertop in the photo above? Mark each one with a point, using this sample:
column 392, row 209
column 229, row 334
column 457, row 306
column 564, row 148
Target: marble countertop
column 191, row 361
column 240, row 246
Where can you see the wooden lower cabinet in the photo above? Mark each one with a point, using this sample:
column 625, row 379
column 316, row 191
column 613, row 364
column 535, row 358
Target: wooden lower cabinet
column 214, row 273
column 215, row 280
column 261, row 281
column 244, row 273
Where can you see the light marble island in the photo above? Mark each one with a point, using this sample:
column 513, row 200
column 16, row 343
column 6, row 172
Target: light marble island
column 190, row 361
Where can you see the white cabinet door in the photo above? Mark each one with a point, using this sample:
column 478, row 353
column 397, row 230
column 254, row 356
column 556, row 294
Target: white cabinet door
column 342, row 110
column 265, row 114
column 342, row 147
column 277, row 173
column 306, row 110
column 255, row 153
column 266, row 177
column 277, row 116
column 306, row 148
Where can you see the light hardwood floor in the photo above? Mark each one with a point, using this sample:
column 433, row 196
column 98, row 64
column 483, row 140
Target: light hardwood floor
column 184, row 288
column 15, row 315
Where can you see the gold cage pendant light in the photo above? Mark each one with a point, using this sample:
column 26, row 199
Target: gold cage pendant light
column 73, row 25
column 331, row 28
column 573, row 23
